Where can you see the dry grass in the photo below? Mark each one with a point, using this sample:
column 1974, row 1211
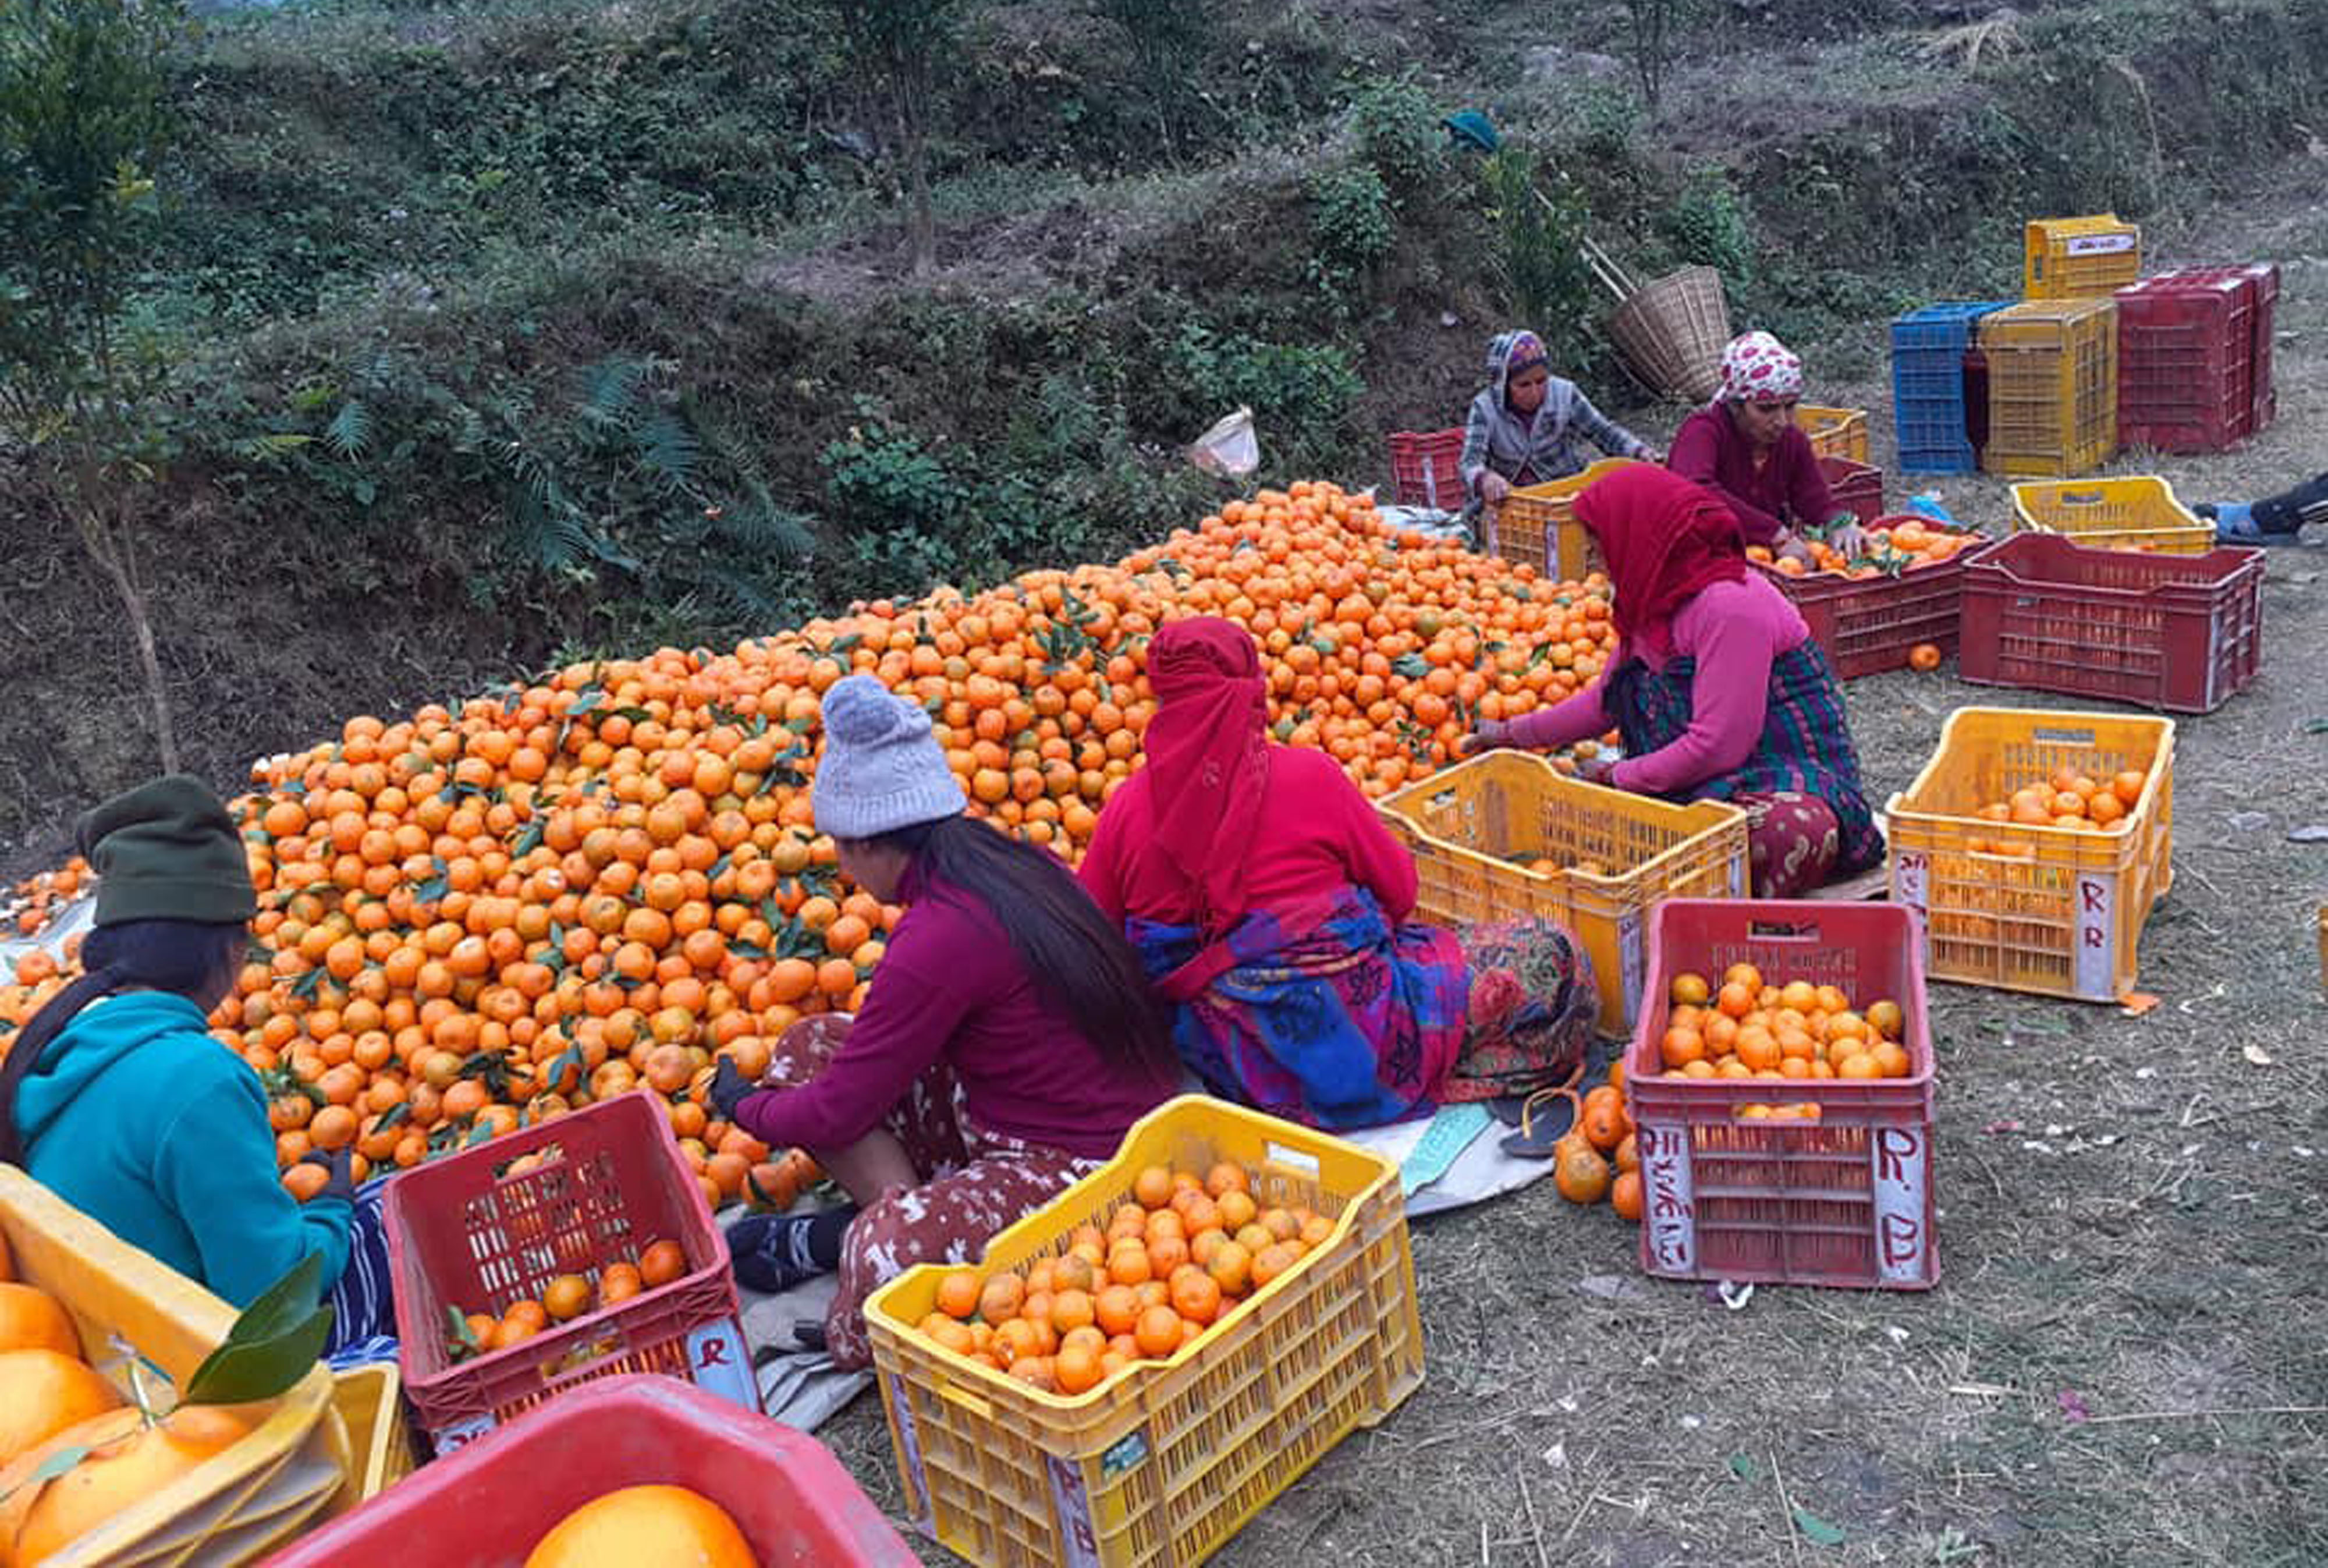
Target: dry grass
column 2132, row 1225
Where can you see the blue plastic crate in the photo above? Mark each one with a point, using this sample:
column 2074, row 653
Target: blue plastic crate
column 1942, row 326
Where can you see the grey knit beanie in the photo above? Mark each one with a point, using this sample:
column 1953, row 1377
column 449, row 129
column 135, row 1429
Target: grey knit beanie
column 882, row 768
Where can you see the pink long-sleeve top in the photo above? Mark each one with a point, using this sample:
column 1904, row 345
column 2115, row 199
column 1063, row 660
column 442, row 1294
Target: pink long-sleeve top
column 1318, row 833
column 951, row 988
column 1734, row 631
column 1786, row 491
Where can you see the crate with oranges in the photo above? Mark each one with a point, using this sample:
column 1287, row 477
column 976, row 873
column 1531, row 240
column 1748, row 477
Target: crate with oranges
column 1129, row 1374
column 2035, row 845
column 569, row 1251
column 1878, row 611
column 1780, row 1088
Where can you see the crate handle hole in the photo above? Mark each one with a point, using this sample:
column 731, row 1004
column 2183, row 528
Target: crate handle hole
column 2064, row 736
column 1295, row 1159
column 1782, row 931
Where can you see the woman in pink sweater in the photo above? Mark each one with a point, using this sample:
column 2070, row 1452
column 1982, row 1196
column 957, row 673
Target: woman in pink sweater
column 1006, row 1043
column 1716, row 687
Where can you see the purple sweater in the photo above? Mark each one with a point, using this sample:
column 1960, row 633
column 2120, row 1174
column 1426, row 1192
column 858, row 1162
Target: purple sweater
column 951, row 988
column 1734, row 631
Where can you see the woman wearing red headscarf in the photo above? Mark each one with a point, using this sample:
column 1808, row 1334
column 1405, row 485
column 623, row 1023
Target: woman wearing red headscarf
column 1716, row 686
column 1271, row 907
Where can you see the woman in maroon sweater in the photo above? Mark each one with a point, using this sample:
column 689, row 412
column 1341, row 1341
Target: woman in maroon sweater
column 1746, row 447
column 1005, row 1046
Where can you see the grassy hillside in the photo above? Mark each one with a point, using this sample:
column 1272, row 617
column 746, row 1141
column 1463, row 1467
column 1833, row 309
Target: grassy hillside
column 592, row 317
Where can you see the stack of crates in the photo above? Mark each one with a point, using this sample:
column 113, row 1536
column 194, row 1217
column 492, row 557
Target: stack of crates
column 1938, row 414
column 2194, row 358
column 2052, row 387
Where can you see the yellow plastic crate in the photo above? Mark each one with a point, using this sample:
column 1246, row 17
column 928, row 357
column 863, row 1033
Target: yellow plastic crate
column 2079, row 257
column 1468, row 824
column 1537, row 526
column 1158, row 1466
column 234, row 1508
column 370, row 1402
column 2136, row 514
column 2052, row 387
column 1834, row 432
column 2057, row 911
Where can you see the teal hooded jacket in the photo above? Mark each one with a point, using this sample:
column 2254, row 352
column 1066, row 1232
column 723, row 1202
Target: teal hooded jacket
column 138, row 1117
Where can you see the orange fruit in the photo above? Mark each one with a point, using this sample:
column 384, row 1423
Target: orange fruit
column 645, row 1525
column 1076, row 1368
column 567, row 1295
column 32, row 1320
column 663, row 1262
column 619, row 1283
column 1152, row 1187
column 41, row 1393
column 128, row 1461
column 1158, row 1332
column 958, row 1293
column 1225, row 1178
column 1116, row 1309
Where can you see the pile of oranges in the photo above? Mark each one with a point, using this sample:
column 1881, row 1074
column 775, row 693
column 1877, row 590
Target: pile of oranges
column 563, row 1300
column 1597, row 1157
column 1179, row 1253
column 1749, row 1028
column 477, row 917
column 33, row 903
column 2069, row 799
column 1895, row 545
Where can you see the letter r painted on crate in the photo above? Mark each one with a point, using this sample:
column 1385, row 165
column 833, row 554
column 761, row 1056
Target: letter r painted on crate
column 2096, row 959
column 1901, row 1157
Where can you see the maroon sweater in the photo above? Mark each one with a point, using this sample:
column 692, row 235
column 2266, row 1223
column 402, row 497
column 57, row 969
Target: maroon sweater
column 951, row 988
column 1787, row 491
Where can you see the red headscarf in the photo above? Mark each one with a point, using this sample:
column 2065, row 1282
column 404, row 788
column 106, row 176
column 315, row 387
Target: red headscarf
column 1207, row 760
column 1665, row 540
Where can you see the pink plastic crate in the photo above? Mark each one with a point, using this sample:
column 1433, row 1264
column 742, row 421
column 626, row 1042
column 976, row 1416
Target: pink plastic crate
column 486, row 1506
column 1843, row 1200
column 469, row 1233
column 1426, row 470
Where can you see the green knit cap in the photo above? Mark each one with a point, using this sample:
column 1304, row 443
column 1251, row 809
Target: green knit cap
column 166, row 851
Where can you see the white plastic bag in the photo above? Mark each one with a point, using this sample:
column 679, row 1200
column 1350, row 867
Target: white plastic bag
column 1230, row 448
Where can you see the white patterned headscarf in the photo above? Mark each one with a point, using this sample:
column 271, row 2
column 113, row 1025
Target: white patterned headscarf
column 1757, row 366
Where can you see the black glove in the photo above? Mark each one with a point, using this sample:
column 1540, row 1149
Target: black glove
column 729, row 1089
column 342, row 1165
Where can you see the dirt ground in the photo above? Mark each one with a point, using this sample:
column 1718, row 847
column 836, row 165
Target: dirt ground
column 2123, row 1361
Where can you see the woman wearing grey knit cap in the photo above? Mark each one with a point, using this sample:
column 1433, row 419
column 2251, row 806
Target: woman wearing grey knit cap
column 1006, row 1043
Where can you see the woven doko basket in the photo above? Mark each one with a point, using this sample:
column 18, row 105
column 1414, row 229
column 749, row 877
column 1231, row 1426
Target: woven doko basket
column 1673, row 331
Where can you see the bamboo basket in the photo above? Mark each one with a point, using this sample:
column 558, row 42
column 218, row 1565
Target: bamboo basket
column 1672, row 331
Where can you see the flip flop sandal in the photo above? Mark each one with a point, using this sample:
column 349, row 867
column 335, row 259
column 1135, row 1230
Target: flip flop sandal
column 1545, row 1117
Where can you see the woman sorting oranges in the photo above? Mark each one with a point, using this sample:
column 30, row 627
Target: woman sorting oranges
column 116, row 1097
column 1269, row 907
column 1746, row 447
column 1716, row 687
column 1005, row 1046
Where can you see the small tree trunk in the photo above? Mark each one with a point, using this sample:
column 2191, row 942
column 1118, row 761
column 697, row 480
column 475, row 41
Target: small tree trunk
column 110, row 552
column 908, row 80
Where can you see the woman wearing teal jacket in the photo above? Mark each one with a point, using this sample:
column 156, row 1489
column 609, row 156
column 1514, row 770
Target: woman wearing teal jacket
column 114, row 1096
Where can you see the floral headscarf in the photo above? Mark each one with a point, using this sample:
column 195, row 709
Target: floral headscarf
column 1757, row 366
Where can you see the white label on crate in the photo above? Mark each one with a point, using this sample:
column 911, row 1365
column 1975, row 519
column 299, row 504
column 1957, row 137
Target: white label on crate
column 917, row 1492
column 2097, row 965
column 1629, row 965
column 1901, row 1157
column 719, row 1363
column 1078, row 1536
column 1908, row 869
column 1738, row 876
column 2101, row 244
column 461, row 1434
column 1666, row 1208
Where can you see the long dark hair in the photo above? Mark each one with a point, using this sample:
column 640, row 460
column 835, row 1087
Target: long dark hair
column 184, row 956
column 1080, row 962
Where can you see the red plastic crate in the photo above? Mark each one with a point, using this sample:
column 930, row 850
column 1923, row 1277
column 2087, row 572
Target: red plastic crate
column 2180, row 633
column 463, row 1233
column 2186, row 361
column 1426, row 470
column 1872, row 626
column 785, row 1491
column 1843, row 1200
column 1858, row 487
